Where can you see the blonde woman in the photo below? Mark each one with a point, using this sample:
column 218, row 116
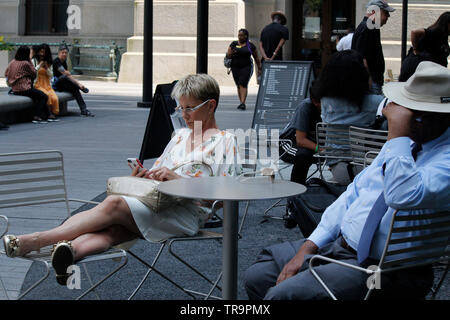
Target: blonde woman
column 120, row 219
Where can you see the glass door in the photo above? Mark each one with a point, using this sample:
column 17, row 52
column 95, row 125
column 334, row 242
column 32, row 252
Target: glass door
column 316, row 25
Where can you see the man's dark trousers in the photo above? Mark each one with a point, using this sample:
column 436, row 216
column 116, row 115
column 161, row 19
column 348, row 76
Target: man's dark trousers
column 64, row 84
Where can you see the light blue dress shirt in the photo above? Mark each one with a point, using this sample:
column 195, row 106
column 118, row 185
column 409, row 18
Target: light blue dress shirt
column 411, row 186
column 336, row 110
column 341, row 111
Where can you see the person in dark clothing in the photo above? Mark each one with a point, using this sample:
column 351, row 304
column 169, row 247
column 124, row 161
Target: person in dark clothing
column 366, row 40
column 273, row 37
column 20, row 74
column 307, row 115
column 63, row 81
column 430, row 44
column 241, row 53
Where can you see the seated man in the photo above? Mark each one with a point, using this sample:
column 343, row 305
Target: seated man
column 63, row 81
column 307, row 115
column 403, row 176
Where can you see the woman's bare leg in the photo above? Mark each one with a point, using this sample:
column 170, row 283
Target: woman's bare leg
column 91, row 243
column 242, row 94
column 112, row 211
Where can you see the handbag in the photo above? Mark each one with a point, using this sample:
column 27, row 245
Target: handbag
column 146, row 190
column 306, row 209
column 227, row 63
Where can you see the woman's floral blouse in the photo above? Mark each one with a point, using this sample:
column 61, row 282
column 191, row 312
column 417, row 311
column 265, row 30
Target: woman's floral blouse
column 220, row 152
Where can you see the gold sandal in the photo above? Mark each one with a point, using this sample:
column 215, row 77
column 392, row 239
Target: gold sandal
column 12, row 245
column 62, row 258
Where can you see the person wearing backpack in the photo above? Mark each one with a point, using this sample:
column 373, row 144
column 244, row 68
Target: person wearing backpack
column 241, row 52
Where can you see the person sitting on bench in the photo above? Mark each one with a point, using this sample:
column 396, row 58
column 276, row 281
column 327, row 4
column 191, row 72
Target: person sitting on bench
column 20, row 74
column 63, row 81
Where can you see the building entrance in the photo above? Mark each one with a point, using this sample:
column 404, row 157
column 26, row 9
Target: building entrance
column 316, row 26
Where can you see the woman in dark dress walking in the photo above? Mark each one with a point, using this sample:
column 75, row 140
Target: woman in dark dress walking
column 242, row 65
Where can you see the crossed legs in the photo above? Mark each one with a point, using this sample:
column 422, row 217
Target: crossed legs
column 91, row 231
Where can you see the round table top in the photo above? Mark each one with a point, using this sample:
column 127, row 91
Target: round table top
column 230, row 188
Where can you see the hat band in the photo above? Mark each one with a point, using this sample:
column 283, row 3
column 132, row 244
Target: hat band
column 421, row 97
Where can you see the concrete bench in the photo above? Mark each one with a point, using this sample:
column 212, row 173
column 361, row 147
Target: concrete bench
column 15, row 108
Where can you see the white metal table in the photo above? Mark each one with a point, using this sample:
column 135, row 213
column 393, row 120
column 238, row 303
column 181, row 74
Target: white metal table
column 230, row 190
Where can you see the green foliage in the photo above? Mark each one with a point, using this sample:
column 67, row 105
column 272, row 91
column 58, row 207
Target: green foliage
column 4, row 45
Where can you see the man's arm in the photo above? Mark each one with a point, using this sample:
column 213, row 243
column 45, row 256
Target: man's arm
column 416, row 35
column 263, row 53
column 294, row 265
column 407, row 186
column 279, row 46
column 368, row 71
column 303, row 141
column 328, row 230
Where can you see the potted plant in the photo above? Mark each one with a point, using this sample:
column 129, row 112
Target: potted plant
column 4, row 50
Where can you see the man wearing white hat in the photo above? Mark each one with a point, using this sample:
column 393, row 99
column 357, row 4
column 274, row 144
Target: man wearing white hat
column 411, row 174
column 367, row 41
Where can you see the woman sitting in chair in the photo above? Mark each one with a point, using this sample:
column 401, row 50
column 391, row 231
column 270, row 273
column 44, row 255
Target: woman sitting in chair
column 120, row 219
column 345, row 99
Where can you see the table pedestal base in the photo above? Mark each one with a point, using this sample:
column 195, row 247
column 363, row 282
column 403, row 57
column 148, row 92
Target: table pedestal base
column 230, row 249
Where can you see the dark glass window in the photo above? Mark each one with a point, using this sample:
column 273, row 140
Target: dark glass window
column 46, row 17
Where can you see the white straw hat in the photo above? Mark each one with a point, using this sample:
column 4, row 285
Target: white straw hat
column 428, row 89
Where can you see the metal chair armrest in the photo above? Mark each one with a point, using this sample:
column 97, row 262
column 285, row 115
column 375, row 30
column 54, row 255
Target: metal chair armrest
column 218, row 204
column 344, row 264
column 366, row 157
column 84, row 201
column 6, row 225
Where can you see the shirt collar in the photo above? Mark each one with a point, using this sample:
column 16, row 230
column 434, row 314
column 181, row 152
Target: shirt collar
column 442, row 138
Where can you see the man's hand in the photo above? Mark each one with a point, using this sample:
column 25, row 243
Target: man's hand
column 399, row 120
column 293, row 266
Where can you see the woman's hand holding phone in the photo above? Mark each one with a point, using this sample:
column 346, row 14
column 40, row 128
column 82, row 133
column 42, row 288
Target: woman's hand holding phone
column 139, row 172
column 138, row 169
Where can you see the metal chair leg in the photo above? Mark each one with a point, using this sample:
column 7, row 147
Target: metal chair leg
column 125, row 260
column 187, row 264
column 275, row 204
column 37, row 282
column 152, row 268
column 161, row 248
column 4, row 288
column 438, row 286
column 90, row 279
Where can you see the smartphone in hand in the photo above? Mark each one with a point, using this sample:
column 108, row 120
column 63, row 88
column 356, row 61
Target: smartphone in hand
column 134, row 162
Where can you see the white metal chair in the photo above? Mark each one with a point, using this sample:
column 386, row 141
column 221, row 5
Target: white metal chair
column 265, row 145
column 37, row 178
column 365, row 144
column 416, row 250
column 249, row 155
column 334, row 143
column 203, row 235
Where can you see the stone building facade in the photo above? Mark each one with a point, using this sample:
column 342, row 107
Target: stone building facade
column 174, row 25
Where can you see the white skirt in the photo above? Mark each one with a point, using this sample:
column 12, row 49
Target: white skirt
column 179, row 220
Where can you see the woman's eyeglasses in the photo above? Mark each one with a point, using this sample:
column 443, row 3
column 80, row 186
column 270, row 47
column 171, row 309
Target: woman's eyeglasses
column 180, row 109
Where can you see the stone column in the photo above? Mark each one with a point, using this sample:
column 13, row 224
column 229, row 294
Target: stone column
column 174, row 40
